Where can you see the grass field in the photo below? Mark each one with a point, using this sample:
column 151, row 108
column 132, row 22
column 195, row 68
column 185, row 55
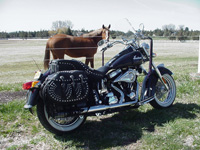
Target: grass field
column 145, row 128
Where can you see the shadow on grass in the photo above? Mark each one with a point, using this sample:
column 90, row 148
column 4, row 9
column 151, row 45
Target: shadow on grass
column 126, row 127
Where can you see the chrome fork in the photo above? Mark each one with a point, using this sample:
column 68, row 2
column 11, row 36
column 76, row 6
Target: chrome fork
column 160, row 76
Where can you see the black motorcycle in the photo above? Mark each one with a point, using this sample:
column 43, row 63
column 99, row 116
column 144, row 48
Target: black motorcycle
column 69, row 91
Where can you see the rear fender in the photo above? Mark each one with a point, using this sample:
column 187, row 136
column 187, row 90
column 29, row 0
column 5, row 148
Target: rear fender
column 151, row 80
column 32, row 98
column 33, row 95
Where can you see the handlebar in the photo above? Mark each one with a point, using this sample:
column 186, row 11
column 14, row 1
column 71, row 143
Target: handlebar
column 134, row 42
column 109, row 45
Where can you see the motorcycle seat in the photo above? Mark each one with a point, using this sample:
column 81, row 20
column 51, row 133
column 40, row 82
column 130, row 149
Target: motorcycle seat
column 103, row 69
column 62, row 64
column 93, row 73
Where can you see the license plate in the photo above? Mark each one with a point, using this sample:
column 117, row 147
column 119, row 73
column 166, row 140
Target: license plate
column 37, row 75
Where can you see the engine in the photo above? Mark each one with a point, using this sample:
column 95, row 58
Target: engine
column 122, row 86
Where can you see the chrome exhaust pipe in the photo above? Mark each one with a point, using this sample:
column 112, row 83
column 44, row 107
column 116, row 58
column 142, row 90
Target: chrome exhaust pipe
column 106, row 107
column 113, row 106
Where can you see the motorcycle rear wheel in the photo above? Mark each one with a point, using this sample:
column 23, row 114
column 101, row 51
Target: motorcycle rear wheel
column 164, row 98
column 58, row 126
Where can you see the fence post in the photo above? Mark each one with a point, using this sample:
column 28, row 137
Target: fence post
column 199, row 57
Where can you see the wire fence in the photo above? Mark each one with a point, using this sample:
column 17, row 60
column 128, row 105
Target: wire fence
column 19, row 57
column 184, row 37
column 18, row 49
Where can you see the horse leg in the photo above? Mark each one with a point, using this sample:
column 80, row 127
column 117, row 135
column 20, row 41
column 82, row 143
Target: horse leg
column 55, row 57
column 87, row 61
column 54, row 54
column 92, row 62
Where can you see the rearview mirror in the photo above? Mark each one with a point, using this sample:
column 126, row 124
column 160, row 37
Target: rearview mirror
column 101, row 42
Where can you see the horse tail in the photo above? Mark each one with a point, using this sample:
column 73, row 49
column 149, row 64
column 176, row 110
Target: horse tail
column 47, row 56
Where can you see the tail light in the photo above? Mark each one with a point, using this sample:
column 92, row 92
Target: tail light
column 28, row 85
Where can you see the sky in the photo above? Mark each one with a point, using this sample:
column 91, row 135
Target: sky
column 35, row 15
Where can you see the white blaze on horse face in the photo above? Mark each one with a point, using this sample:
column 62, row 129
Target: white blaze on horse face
column 107, row 36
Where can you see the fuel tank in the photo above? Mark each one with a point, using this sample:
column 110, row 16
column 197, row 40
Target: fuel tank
column 127, row 57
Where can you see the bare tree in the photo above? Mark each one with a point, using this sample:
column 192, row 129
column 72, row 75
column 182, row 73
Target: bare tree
column 181, row 27
column 63, row 27
column 170, row 27
column 62, row 24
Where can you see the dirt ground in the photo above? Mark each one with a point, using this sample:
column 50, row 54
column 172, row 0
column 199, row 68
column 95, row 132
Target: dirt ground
column 7, row 96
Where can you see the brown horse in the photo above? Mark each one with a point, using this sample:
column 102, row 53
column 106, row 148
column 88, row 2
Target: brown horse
column 83, row 46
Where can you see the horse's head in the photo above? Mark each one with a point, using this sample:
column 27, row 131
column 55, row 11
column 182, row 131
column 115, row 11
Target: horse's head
column 105, row 32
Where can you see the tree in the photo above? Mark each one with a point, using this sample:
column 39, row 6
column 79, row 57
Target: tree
column 170, row 27
column 61, row 27
column 23, row 35
column 148, row 33
column 181, row 33
column 62, row 24
column 195, row 35
column 181, row 27
column 186, row 29
column 186, row 32
column 64, row 30
column 168, row 30
column 4, row 35
column 129, row 33
column 158, row 32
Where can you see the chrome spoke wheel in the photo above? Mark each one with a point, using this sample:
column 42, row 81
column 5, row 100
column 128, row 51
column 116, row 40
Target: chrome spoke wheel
column 64, row 123
column 58, row 125
column 164, row 97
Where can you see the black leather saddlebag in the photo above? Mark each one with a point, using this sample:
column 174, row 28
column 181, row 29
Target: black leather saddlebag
column 66, row 87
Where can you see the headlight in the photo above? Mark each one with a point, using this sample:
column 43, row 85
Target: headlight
column 145, row 46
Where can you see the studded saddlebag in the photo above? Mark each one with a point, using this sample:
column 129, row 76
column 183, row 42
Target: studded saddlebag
column 66, row 87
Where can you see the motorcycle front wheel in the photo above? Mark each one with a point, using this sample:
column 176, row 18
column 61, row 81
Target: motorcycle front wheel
column 164, row 98
column 58, row 126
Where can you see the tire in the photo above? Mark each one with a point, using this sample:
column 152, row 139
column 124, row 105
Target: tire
column 56, row 126
column 164, row 98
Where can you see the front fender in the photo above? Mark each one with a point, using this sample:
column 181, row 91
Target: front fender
column 162, row 70
column 152, row 79
column 32, row 98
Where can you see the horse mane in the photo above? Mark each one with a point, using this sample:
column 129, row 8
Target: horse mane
column 92, row 34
